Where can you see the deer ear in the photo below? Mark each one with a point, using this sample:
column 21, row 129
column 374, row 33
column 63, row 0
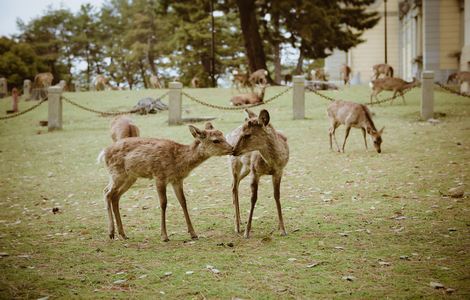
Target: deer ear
column 209, row 126
column 196, row 132
column 250, row 114
column 264, row 117
column 381, row 130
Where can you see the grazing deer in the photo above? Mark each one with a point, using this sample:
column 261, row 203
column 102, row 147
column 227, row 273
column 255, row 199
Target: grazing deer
column 318, row 74
column 397, row 85
column 258, row 77
column 345, row 73
column 244, row 99
column 101, row 82
column 353, row 115
column 123, row 127
column 240, row 80
column 459, row 77
column 163, row 160
column 43, row 80
column 384, row 69
column 155, row 82
column 195, row 82
column 258, row 150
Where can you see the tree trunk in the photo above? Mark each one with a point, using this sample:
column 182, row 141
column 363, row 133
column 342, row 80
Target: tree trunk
column 150, row 58
column 142, row 73
column 277, row 50
column 250, row 29
column 300, row 62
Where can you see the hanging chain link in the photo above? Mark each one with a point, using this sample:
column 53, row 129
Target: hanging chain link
column 446, row 88
column 235, row 107
column 24, row 111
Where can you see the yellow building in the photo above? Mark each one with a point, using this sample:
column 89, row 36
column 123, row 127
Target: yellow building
column 421, row 35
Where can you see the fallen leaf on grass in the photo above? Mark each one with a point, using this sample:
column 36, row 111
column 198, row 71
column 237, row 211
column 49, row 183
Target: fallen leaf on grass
column 120, row 281
column 314, row 264
column 436, row 285
column 384, row 263
column 189, row 272
column 143, row 276
column 348, row 278
column 292, row 259
column 4, row 254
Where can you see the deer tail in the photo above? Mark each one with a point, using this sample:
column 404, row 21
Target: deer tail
column 391, row 71
column 99, row 159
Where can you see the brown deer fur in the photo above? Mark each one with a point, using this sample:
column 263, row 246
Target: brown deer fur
column 43, row 80
column 258, row 77
column 251, row 98
column 318, row 74
column 345, row 73
column 165, row 161
column 195, row 82
column 258, row 150
column 397, row 85
column 355, row 115
column 123, row 127
column 240, row 80
column 155, row 82
column 384, row 69
column 459, row 77
column 101, row 82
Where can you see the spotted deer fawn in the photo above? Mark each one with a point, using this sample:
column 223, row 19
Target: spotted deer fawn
column 355, row 115
column 165, row 161
column 258, row 150
column 397, row 85
column 123, row 127
column 250, row 98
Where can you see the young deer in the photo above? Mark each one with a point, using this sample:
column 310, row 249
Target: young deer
column 123, row 127
column 258, row 77
column 397, row 85
column 459, row 77
column 260, row 150
column 244, row 99
column 384, row 69
column 165, row 161
column 353, row 115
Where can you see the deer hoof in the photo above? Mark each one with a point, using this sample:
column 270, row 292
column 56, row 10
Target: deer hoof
column 165, row 239
column 283, row 233
column 246, row 235
column 111, row 235
column 194, row 237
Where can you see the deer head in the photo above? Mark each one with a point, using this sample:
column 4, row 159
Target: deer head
column 376, row 138
column 253, row 134
column 211, row 140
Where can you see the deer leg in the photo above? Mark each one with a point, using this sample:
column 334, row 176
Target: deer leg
column 122, row 189
column 335, row 125
column 110, row 211
column 161, row 189
column 236, row 168
column 403, row 97
column 364, row 135
column 348, row 128
column 254, row 198
column 178, row 188
column 277, row 197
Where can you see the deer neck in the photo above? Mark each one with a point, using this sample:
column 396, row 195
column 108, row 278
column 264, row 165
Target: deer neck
column 275, row 151
column 190, row 156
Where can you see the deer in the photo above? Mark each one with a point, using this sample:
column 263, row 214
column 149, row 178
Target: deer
column 155, row 82
column 384, row 69
column 354, row 115
column 397, row 85
column 43, row 80
column 251, row 98
column 195, row 82
column 258, row 77
column 258, row 149
column 318, row 74
column 163, row 160
column 123, row 127
column 240, row 80
column 345, row 73
column 101, row 82
column 459, row 77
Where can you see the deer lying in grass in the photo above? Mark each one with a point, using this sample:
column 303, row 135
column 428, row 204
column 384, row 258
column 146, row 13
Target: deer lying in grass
column 397, row 85
column 258, row 77
column 258, row 150
column 123, row 127
column 384, row 69
column 250, row 98
column 355, row 115
column 459, row 77
column 165, row 161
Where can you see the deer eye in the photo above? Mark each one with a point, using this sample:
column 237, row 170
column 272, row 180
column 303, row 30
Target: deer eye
column 216, row 141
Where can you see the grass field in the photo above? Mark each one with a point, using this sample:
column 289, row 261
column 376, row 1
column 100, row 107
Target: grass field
column 381, row 219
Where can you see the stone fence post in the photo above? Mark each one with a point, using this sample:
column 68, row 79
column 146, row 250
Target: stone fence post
column 298, row 100
column 27, row 89
column 174, row 109
column 54, row 120
column 3, row 87
column 427, row 95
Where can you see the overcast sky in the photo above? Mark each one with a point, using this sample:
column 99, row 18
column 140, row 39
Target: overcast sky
column 11, row 10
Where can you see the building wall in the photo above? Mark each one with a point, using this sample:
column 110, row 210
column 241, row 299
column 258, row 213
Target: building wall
column 450, row 37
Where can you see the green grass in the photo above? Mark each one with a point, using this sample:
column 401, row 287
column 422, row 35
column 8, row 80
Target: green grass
column 324, row 195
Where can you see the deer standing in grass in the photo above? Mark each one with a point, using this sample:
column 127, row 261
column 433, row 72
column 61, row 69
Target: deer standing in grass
column 251, row 98
column 258, row 150
column 397, row 85
column 384, row 69
column 355, row 115
column 165, row 161
column 345, row 73
column 459, row 77
column 123, row 127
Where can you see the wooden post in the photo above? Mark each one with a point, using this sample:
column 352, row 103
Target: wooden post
column 174, row 109
column 54, row 120
column 427, row 95
column 298, row 100
column 3, row 87
column 27, row 89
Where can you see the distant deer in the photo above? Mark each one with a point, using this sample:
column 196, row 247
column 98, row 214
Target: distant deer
column 384, row 69
column 43, row 80
column 355, row 115
column 195, row 82
column 459, row 77
column 318, row 74
column 258, row 150
column 240, row 80
column 345, row 73
column 397, row 85
column 251, row 98
column 258, row 77
column 123, row 127
column 163, row 160
column 155, row 82
column 101, row 82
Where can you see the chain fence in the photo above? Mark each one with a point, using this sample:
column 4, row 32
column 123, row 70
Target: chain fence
column 197, row 100
column 24, row 111
column 446, row 88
